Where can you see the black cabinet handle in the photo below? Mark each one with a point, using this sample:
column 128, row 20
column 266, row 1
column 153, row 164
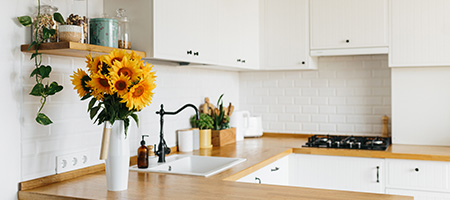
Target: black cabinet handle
column 196, row 53
column 274, row 169
column 243, row 61
column 378, row 174
column 238, row 60
column 189, row 52
column 416, row 169
column 258, row 179
column 347, row 41
column 303, row 62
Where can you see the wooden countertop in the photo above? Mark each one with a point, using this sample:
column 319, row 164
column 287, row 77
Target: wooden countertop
column 169, row 186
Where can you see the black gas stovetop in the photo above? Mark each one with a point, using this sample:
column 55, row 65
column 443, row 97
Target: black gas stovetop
column 349, row 142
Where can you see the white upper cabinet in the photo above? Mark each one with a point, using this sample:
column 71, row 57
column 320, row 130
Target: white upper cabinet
column 239, row 33
column 349, row 27
column 185, row 30
column 285, row 35
column 420, row 33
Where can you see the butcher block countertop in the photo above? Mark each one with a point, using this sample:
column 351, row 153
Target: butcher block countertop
column 257, row 151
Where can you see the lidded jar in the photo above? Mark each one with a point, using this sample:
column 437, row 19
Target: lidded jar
column 45, row 20
column 124, row 29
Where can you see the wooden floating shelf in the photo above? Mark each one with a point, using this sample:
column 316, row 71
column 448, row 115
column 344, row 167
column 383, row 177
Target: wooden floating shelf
column 73, row 49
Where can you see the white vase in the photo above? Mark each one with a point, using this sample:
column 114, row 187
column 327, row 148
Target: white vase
column 118, row 162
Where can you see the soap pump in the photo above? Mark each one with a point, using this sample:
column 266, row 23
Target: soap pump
column 142, row 160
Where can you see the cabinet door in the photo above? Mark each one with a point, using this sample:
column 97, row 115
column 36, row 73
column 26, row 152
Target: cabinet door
column 285, row 35
column 276, row 173
column 418, row 175
column 419, row 195
column 420, row 33
column 173, row 29
column 339, row 173
column 348, row 23
column 239, row 33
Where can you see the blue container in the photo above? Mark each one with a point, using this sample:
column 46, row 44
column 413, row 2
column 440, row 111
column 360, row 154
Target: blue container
column 103, row 32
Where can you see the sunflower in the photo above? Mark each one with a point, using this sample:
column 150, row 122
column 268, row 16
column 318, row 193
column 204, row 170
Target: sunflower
column 94, row 64
column 140, row 95
column 79, row 80
column 128, row 68
column 100, row 86
column 147, row 71
column 120, row 84
column 115, row 55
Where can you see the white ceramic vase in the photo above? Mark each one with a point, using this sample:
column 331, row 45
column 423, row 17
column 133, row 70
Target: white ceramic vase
column 118, row 162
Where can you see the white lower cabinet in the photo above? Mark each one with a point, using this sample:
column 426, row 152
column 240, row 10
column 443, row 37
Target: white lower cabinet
column 421, row 179
column 424, row 180
column 339, row 173
column 276, row 173
column 419, row 195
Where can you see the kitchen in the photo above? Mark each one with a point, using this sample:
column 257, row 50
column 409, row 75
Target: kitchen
column 344, row 95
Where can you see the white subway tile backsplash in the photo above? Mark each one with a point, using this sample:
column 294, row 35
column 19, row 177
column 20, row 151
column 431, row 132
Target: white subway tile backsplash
column 310, row 127
column 292, row 91
column 293, row 109
column 327, row 92
column 337, row 100
column 327, row 109
column 285, row 83
column 302, row 83
column 328, row 127
column 276, row 92
column 319, row 118
column 310, row 92
column 293, row 126
column 319, row 83
column 285, row 100
column 310, row 74
column 319, row 100
column 285, row 117
column 310, row 109
column 337, row 118
column 302, row 118
column 345, row 128
column 302, row 100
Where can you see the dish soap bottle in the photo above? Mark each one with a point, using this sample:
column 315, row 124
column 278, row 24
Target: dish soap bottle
column 142, row 160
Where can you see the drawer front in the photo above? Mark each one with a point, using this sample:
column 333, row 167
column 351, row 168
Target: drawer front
column 276, row 173
column 420, row 195
column 420, row 175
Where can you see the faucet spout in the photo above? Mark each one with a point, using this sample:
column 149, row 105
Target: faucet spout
column 163, row 149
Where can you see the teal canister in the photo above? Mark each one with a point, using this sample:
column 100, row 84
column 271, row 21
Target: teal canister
column 103, row 32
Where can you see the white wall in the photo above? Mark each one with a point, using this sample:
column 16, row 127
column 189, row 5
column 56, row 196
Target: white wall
column 347, row 95
column 421, row 105
column 10, row 55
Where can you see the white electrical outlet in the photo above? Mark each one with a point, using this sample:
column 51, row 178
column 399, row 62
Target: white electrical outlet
column 73, row 161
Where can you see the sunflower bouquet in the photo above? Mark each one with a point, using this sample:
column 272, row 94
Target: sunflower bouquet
column 120, row 84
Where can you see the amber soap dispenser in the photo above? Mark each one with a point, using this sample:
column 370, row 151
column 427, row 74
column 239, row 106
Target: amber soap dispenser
column 142, row 160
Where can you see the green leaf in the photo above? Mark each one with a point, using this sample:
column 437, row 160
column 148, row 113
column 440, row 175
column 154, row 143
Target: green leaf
column 54, row 88
column 59, row 18
column 34, row 72
column 126, row 124
column 25, row 20
column 91, row 103
column 94, row 111
column 87, row 96
column 34, row 55
column 34, row 43
column 41, row 118
column 135, row 117
column 44, row 71
column 47, row 33
column 37, row 89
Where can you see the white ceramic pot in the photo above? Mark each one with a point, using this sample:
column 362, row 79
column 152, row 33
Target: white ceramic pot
column 118, row 162
column 70, row 33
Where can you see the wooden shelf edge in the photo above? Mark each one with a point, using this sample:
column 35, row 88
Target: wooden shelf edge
column 74, row 49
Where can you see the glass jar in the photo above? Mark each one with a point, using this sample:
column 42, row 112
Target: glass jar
column 45, row 20
column 78, row 13
column 124, row 29
column 70, row 33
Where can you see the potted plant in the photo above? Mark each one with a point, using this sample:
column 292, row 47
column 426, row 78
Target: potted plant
column 221, row 134
column 204, row 124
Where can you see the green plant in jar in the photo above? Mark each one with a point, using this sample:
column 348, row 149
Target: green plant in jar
column 41, row 72
column 205, row 122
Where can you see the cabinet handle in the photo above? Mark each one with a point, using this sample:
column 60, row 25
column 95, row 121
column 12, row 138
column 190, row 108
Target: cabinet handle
column 243, row 61
column 347, row 41
column 238, row 60
column 189, row 52
column 274, row 169
column 378, row 174
column 195, row 53
column 303, row 62
column 258, row 179
column 416, row 169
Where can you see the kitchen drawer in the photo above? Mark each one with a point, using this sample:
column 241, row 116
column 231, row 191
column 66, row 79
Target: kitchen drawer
column 420, row 195
column 276, row 173
column 418, row 175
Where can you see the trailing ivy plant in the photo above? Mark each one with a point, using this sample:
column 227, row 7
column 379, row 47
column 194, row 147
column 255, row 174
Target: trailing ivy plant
column 41, row 72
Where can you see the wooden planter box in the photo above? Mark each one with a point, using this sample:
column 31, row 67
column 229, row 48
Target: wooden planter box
column 223, row 137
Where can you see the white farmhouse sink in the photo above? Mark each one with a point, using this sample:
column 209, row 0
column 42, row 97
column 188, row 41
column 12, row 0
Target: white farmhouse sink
column 191, row 165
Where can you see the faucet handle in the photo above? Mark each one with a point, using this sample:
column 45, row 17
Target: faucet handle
column 167, row 150
column 155, row 150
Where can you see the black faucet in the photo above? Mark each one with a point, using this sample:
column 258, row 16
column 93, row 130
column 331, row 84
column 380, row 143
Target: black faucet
column 163, row 149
